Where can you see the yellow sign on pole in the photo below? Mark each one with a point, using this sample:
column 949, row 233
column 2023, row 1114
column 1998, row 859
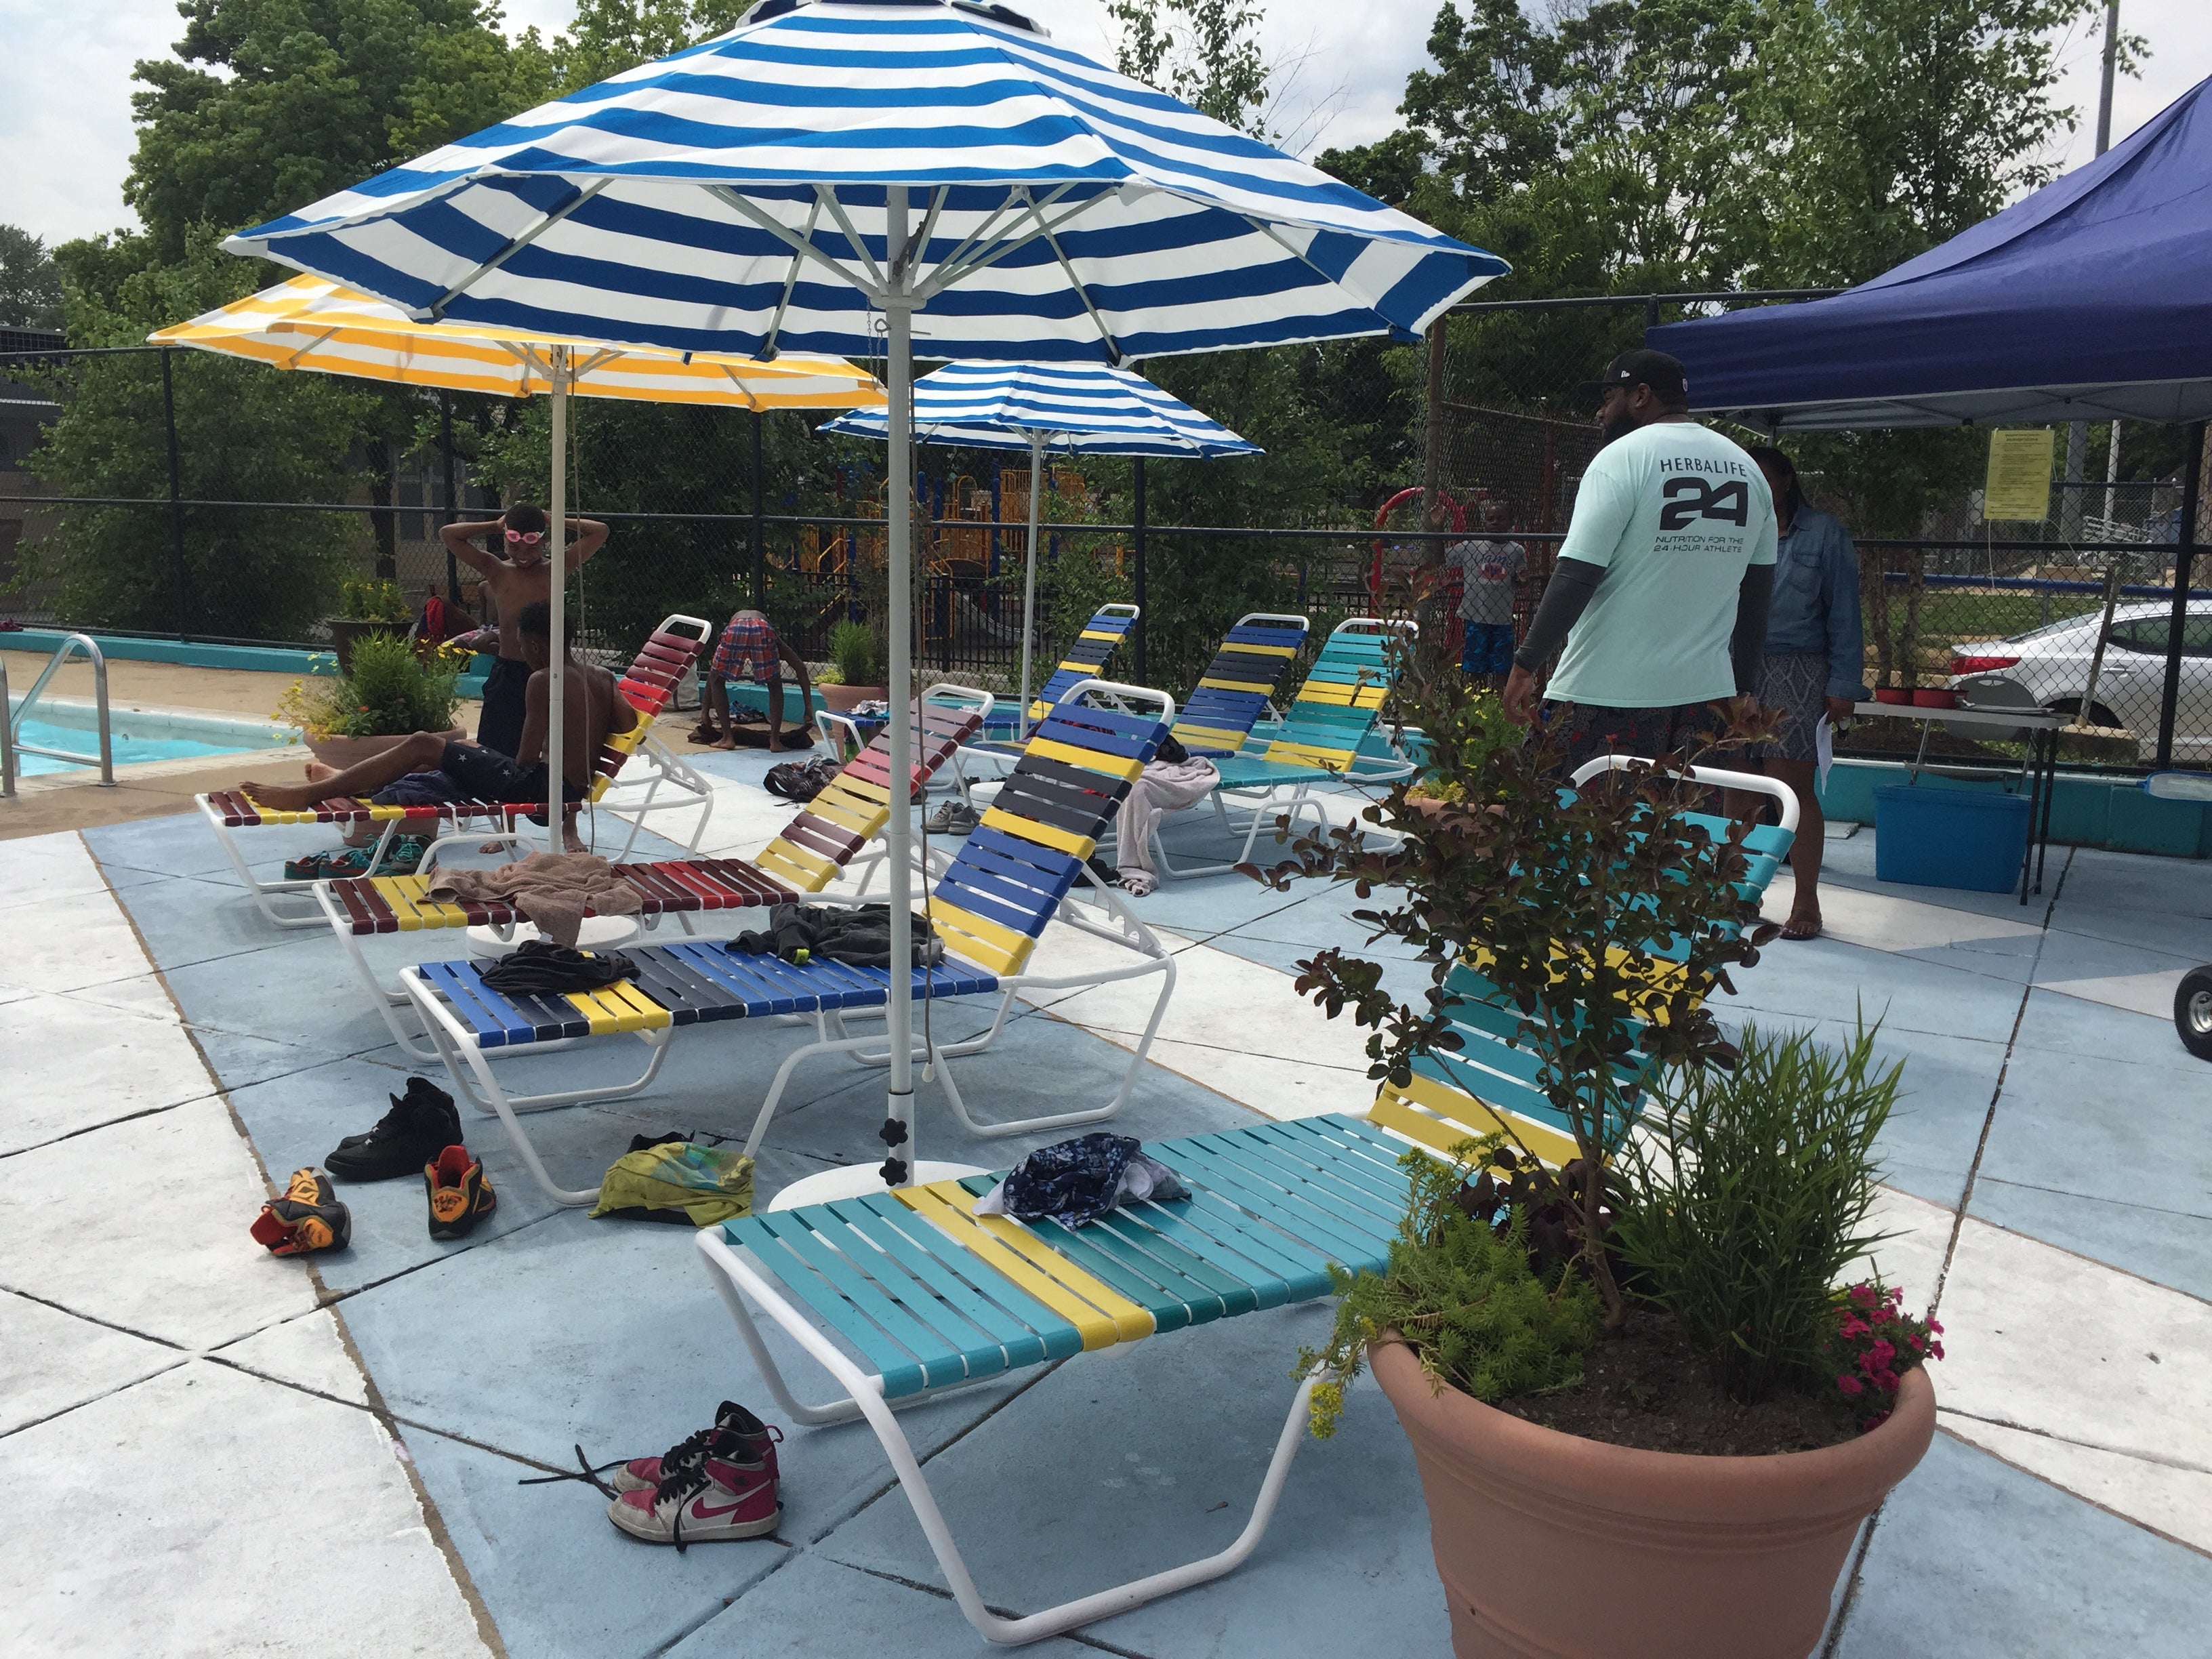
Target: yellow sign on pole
column 2019, row 484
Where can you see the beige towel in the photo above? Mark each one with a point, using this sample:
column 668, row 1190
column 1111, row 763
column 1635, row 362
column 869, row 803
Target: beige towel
column 553, row 890
column 1164, row 787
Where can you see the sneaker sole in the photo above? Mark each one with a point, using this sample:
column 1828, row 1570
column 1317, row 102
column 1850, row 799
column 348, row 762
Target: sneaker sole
column 647, row 1530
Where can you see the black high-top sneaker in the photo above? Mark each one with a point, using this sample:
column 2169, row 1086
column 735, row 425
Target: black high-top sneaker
column 421, row 1124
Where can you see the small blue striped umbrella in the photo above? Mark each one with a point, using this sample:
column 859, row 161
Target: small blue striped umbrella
column 939, row 163
column 1073, row 409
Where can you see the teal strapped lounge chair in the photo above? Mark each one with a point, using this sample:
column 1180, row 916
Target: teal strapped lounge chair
column 901, row 1296
column 1015, row 873
column 1319, row 742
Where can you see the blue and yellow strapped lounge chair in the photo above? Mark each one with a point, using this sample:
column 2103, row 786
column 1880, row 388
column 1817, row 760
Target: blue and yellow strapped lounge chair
column 1015, row 873
column 1238, row 683
column 903, row 1295
column 1087, row 657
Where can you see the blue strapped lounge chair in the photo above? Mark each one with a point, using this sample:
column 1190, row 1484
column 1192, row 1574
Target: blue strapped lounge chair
column 1086, row 657
column 901, row 1296
column 1236, row 689
column 1016, row 873
column 1319, row 742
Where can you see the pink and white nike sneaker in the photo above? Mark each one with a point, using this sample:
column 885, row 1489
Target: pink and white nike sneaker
column 754, row 1452
column 714, row 1499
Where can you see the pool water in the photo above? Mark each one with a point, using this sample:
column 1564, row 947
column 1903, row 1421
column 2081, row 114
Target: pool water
column 138, row 734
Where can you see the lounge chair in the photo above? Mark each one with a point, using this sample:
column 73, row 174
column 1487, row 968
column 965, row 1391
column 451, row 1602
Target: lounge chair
column 1318, row 744
column 648, row 683
column 904, row 1295
column 1236, row 689
column 1087, row 658
column 825, row 837
column 1015, row 873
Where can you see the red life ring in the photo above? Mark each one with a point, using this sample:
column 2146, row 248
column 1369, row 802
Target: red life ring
column 1382, row 516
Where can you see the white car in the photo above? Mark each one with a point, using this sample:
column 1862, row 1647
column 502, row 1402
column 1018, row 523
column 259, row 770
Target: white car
column 2052, row 662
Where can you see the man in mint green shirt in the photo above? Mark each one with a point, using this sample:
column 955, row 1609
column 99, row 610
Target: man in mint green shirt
column 1661, row 588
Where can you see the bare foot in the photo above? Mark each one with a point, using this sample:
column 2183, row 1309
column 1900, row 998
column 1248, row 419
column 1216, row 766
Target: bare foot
column 571, row 840
column 281, row 797
column 724, row 742
column 1803, row 925
column 317, row 772
column 493, row 847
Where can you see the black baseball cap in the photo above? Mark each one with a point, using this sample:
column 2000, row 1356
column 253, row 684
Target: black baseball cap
column 1656, row 369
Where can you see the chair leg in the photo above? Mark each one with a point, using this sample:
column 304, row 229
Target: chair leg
column 864, row 1398
column 1068, row 1119
column 267, row 893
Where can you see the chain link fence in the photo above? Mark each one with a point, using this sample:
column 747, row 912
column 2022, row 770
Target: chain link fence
column 210, row 500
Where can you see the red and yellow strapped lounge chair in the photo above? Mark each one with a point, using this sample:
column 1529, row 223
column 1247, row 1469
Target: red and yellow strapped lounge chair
column 814, row 850
column 648, row 683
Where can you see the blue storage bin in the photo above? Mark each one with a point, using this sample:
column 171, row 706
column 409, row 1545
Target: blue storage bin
column 1932, row 838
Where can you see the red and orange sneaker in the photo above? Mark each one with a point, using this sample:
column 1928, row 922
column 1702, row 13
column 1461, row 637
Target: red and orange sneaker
column 711, row 1500
column 307, row 1218
column 459, row 1192
column 748, row 1445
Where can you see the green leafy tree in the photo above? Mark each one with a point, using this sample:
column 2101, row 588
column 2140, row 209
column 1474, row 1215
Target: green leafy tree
column 1203, row 52
column 30, row 281
column 248, row 434
column 607, row 37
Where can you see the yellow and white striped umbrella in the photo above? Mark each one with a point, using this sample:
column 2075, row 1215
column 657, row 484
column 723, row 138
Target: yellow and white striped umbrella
column 313, row 324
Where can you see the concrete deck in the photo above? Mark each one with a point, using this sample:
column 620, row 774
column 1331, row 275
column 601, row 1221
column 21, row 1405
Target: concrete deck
column 212, row 1451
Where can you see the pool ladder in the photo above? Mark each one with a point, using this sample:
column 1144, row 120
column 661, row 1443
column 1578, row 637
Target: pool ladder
column 10, row 746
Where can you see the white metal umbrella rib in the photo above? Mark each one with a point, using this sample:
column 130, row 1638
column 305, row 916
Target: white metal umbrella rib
column 767, row 352
column 436, row 311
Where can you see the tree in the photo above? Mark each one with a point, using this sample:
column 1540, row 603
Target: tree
column 30, row 283
column 607, row 37
column 250, row 434
column 1203, row 52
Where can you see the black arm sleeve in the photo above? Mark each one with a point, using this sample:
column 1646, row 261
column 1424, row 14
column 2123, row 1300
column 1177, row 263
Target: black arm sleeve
column 1748, row 647
column 1565, row 596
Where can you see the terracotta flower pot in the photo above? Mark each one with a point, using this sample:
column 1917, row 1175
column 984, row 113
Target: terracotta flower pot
column 342, row 752
column 1553, row 1546
column 844, row 699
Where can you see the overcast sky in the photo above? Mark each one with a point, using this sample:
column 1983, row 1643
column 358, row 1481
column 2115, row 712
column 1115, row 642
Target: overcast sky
column 65, row 109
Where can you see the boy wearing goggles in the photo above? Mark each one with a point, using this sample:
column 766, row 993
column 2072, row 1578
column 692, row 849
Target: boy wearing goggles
column 516, row 574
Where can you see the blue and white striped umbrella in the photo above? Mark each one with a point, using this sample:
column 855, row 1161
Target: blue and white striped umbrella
column 936, row 162
column 1075, row 409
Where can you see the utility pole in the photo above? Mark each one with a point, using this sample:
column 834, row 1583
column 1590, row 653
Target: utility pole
column 2104, row 144
column 2077, row 433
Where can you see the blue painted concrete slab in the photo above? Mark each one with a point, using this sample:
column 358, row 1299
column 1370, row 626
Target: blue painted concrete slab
column 1828, row 979
column 814, row 1609
column 1972, row 1556
column 555, row 1575
column 1134, row 1459
column 2073, row 1025
column 608, row 1334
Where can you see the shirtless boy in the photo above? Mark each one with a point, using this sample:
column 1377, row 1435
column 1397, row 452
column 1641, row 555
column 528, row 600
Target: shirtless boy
column 595, row 710
column 522, row 578
column 752, row 649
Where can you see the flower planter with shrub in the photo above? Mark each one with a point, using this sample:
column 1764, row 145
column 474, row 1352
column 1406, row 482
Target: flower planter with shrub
column 857, row 659
column 391, row 691
column 1648, row 1421
column 367, row 607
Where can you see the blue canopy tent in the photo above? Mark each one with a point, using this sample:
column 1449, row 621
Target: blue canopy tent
column 2089, row 301
column 1075, row 409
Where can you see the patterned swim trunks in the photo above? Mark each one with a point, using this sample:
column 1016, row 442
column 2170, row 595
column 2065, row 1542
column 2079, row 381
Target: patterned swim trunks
column 1797, row 684
column 748, row 650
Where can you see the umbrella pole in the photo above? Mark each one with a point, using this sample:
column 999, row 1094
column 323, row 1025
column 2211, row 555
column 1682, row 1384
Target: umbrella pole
column 556, row 543
column 1029, row 581
column 898, row 317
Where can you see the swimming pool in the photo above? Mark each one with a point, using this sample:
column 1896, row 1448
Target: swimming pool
column 139, row 734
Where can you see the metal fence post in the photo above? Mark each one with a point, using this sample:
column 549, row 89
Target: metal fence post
column 176, row 500
column 760, row 525
column 452, row 513
column 2184, row 549
column 1137, row 520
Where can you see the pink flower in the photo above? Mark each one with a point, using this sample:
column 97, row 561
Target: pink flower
column 1886, row 1381
column 1935, row 1348
column 1896, row 1294
column 1863, row 1295
column 1875, row 1422
column 1852, row 1386
column 1883, row 1352
column 1852, row 1325
column 1868, row 1364
column 1935, row 1326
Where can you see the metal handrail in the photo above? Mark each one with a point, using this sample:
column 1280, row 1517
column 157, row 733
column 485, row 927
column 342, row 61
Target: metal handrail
column 7, row 740
column 106, row 758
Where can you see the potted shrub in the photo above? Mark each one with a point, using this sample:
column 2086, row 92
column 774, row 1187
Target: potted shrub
column 390, row 692
column 1663, row 1447
column 857, row 655
column 366, row 605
